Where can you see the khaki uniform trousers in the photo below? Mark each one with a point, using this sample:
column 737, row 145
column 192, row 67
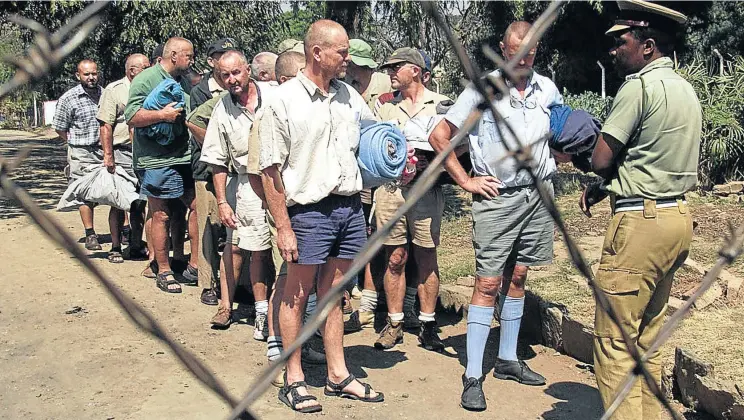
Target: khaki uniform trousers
column 210, row 227
column 642, row 250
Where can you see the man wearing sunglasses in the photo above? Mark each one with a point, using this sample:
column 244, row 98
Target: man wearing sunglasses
column 512, row 229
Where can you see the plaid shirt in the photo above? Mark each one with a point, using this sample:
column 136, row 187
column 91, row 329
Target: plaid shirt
column 76, row 114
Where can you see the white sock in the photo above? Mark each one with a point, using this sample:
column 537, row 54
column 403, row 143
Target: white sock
column 369, row 301
column 274, row 347
column 262, row 307
column 396, row 317
column 426, row 317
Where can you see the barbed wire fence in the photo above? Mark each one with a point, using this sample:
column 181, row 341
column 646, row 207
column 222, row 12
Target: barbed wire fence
column 50, row 49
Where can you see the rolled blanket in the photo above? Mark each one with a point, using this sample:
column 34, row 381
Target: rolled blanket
column 574, row 133
column 168, row 91
column 382, row 154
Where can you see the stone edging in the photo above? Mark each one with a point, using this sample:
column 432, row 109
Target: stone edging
column 692, row 381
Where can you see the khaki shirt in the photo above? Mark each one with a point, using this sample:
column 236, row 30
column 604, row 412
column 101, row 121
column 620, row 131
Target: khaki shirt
column 395, row 113
column 657, row 116
column 111, row 109
column 313, row 137
column 226, row 140
column 379, row 84
column 201, row 115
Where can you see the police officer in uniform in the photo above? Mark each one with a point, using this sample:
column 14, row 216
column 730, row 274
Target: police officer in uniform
column 648, row 154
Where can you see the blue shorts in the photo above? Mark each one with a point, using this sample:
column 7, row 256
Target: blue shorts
column 333, row 227
column 166, row 183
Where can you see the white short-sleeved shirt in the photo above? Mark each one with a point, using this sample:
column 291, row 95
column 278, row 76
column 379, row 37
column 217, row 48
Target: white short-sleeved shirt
column 530, row 119
column 313, row 137
column 226, row 139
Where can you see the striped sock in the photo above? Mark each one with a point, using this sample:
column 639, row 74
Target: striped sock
column 274, row 347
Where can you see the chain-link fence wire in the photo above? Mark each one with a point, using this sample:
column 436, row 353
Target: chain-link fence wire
column 50, row 49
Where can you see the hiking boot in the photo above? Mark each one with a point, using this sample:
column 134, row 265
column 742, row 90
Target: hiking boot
column 347, row 308
column 261, row 328
column 91, row 243
column 472, row 398
column 517, row 371
column 278, row 381
column 223, row 318
column 312, row 356
column 391, row 335
column 429, row 338
column 410, row 320
column 209, row 297
column 359, row 320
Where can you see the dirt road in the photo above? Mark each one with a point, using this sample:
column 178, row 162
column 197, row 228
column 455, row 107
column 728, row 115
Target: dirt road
column 94, row 364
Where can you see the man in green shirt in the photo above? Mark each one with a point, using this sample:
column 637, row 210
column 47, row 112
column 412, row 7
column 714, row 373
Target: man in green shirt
column 648, row 152
column 165, row 170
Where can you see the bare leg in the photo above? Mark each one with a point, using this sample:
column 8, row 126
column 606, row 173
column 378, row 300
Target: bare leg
column 189, row 199
column 300, row 279
column 259, row 269
column 232, row 261
column 86, row 215
column 395, row 284
column 428, row 271
column 115, row 218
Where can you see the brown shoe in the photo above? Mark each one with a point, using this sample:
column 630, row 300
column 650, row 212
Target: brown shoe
column 391, row 335
column 91, row 243
column 223, row 318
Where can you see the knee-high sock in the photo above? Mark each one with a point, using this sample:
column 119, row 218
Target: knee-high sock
column 479, row 325
column 511, row 319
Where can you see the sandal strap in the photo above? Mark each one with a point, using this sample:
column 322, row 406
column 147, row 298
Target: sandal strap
column 295, row 385
column 367, row 390
column 341, row 385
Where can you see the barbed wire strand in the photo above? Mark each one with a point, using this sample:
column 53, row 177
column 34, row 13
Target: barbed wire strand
column 732, row 249
column 29, row 69
column 368, row 252
column 524, row 160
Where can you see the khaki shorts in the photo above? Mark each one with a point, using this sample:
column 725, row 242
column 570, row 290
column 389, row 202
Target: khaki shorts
column 422, row 222
column 252, row 233
column 280, row 266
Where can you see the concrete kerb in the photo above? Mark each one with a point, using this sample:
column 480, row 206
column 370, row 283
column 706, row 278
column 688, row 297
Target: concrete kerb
column 691, row 381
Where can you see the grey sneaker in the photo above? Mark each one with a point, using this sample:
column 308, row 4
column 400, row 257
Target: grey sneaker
column 261, row 330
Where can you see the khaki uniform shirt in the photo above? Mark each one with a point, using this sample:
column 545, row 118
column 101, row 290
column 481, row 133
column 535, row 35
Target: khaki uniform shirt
column 395, row 113
column 226, row 140
column 379, row 84
column 313, row 137
column 111, row 109
column 657, row 116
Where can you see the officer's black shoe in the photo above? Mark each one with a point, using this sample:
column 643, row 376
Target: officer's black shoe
column 472, row 398
column 517, row 371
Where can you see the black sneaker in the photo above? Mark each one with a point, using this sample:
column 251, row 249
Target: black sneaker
column 472, row 398
column 517, row 371
column 209, row 297
column 429, row 338
column 190, row 275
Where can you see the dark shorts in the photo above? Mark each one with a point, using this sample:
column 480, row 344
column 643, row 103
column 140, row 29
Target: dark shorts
column 166, row 183
column 333, row 227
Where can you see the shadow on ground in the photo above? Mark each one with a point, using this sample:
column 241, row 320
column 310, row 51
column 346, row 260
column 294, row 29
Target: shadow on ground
column 41, row 174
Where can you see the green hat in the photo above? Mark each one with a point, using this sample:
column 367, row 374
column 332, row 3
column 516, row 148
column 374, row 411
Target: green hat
column 405, row 55
column 361, row 53
column 291, row 45
column 639, row 13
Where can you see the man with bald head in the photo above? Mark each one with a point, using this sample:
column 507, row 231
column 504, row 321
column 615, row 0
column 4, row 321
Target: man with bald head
column 512, row 229
column 287, row 65
column 262, row 66
column 240, row 208
column 309, row 135
column 164, row 167
column 116, row 142
column 75, row 122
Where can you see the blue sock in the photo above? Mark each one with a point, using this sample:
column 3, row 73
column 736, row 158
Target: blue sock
column 479, row 325
column 511, row 318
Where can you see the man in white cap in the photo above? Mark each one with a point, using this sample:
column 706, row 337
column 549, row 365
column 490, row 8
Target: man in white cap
column 655, row 115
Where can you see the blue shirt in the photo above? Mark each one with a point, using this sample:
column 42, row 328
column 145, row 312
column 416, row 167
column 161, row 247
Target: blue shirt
column 529, row 117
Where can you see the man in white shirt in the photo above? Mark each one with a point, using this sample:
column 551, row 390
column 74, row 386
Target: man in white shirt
column 512, row 229
column 309, row 135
